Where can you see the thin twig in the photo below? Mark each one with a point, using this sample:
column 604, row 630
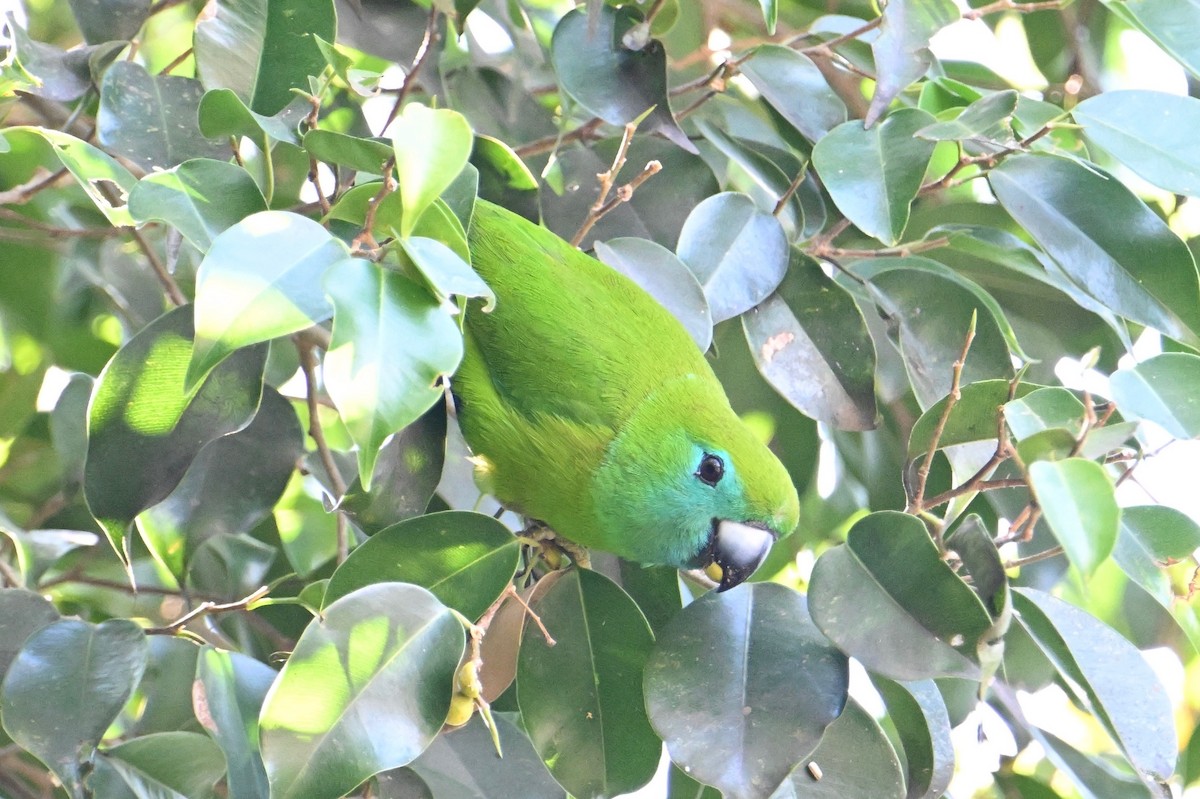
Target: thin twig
column 584, row 133
column 19, row 195
column 174, row 293
column 1052, row 552
column 308, row 365
column 834, row 42
column 902, row 251
column 179, row 59
column 34, row 224
column 604, row 204
column 1008, row 5
column 208, row 609
column 431, row 35
column 699, row 101
column 791, row 190
column 365, row 240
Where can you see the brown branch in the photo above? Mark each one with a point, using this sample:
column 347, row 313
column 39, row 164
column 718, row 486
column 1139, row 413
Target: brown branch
column 1009, row 5
column 902, row 251
column 43, row 179
column 179, row 59
column 827, row 47
column 406, row 87
column 174, row 293
column 1052, row 552
column 308, row 365
column 208, row 609
column 699, row 101
column 791, row 190
column 584, row 133
column 42, row 227
column 604, row 204
column 365, row 236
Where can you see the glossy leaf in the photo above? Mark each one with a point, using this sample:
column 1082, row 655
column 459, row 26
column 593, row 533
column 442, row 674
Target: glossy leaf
column 230, row 487
column 109, row 20
column 100, row 176
column 1165, row 390
column 581, row 700
column 199, row 198
column 1146, row 131
column 59, row 75
column 464, row 559
column 1108, row 674
column 810, row 342
column 65, row 687
column 175, row 764
column 665, row 278
column 766, row 178
column 431, row 147
column 1077, row 499
column 972, row 542
column 741, row 686
column 275, row 45
column 1153, row 538
column 228, row 695
column 1091, row 774
column 1167, row 23
column 737, row 252
column 1044, row 409
column 406, row 475
column 902, row 48
column 855, row 758
column 145, row 428
column 445, row 271
column 391, row 342
column 464, row 765
column 361, row 155
column 973, row 418
column 1139, row 268
column 366, row 689
column 874, row 174
column 886, row 598
column 151, row 119
column 923, row 726
column 795, row 87
column 261, row 280
column 987, row 121
column 224, row 113
column 608, row 63
column 22, row 613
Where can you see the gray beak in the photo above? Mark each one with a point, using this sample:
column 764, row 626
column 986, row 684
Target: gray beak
column 739, row 549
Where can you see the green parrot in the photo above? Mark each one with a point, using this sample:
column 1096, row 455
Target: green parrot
column 588, row 407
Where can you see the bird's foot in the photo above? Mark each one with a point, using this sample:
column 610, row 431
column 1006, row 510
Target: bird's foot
column 555, row 547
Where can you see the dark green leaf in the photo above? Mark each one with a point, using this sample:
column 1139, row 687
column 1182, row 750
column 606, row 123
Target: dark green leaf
column 902, row 48
column 391, row 342
column 1077, row 498
column 230, row 487
column 795, row 87
column 366, row 689
column 1044, row 409
column 1105, row 239
column 144, row 428
column 151, row 119
column 972, row 542
column 810, row 342
column 464, row 559
column 260, row 280
column 1165, row 390
column 61, row 75
column 223, row 113
column 361, row 155
column 665, row 278
column 581, row 700
column 1109, row 675
column 923, row 726
column 464, row 765
column 100, row 176
column 402, row 783
column 973, row 418
column 230, row 566
column 1094, row 778
column 178, row 764
column 737, row 252
column 200, row 198
column 741, row 686
column 1152, row 538
column 855, row 758
column 874, row 174
column 65, row 687
column 275, row 46
column 22, row 613
column 987, row 122
column 166, row 686
column 608, row 63
column 228, row 694
column 886, row 598
column 109, row 20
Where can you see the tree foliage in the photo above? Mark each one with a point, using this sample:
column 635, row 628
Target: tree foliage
column 242, row 554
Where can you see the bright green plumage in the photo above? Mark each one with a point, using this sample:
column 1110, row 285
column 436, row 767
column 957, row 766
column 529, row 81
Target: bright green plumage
column 591, row 408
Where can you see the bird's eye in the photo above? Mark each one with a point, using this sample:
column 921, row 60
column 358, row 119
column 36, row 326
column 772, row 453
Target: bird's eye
column 711, row 470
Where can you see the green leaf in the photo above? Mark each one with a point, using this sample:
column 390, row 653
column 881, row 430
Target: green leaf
column 223, row 113
column 985, row 122
column 151, row 119
column 200, row 198
column 260, row 280
column 391, row 342
column 464, row 765
column 100, row 176
column 1044, row 409
column 175, row 765
column 886, row 598
column 145, row 428
column 22, row 613
column 581, row 700
column 973, row 417
column 359, row 154
column 445, row 271
column 1078, row 501
column 972, row 542
column 873, row 174
column 737, row 252
column 902, row 48
column 1153, row 538
column 726, row 691
column 65, row 687
column 796, row 88
column 464, row 559
column 231, row 485
column 810, row 342
column 855, row 759
column 1168, row 23
column 1164, row 389
column 431, row 146
column 1148, row 132
column 1106, row 674
column 1095, row 778
column 665, row 278
column 109, row 20
column 366, row 689
column 228, row 694
column 1105, row 239
column 770, row 10
column 923, row 727
column 59, row 75
column 406, row 475
column 608, row 63
column 275, row 46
